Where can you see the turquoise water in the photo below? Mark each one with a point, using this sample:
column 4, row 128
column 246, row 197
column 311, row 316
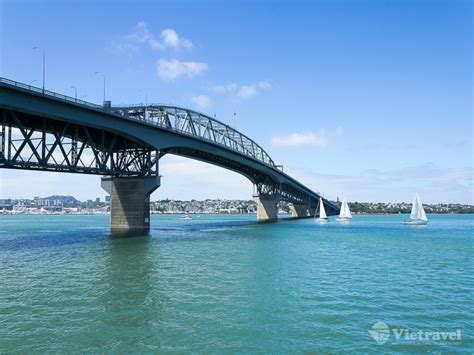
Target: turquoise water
column 225, row 283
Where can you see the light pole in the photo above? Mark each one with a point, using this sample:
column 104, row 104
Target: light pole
column 99, row 72
column 75, row 91
column 235, row 114
column 44, row 65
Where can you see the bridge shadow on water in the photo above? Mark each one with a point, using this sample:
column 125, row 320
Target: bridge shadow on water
column 31, row 238
column 51, row 239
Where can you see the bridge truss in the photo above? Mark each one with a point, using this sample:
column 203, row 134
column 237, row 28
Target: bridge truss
column 44, row 144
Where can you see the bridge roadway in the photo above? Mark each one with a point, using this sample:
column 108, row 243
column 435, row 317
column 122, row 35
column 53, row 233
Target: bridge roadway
column 44, row 130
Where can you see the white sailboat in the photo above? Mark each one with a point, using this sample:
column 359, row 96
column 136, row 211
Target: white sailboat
column 345, row 214
column 323, row 218
column 418, row 215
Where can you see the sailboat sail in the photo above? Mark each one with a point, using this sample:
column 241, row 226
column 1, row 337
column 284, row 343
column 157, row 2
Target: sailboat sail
column 417, row 210
column 422, row 214
column 345, row 211
column 414, row 208
column 348, row 211
column 322, row 211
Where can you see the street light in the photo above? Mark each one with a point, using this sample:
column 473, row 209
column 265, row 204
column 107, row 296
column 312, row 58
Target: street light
column 99, row 72
column 44, row 65
column 75, row 91
column 235, row 114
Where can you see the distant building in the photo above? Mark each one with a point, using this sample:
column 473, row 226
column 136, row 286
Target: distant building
column 42, row 202
column 97, row 199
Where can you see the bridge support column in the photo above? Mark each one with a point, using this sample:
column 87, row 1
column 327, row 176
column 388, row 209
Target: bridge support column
column 267, row 209
column 299, row 211
column 130, row 203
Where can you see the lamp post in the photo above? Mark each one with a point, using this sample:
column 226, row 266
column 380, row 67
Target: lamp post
column 99, row 72
column 75, row 91
column 44, row 65
column 235, row 115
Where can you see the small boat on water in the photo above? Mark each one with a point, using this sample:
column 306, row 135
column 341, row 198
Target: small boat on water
column 185, row 218
column 418, row 215
column 323, row 218
column 345, row 214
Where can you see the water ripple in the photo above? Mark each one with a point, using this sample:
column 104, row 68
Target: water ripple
column 228, row 284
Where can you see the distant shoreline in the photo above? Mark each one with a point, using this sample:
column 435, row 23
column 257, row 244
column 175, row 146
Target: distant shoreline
column 65, row 204
column 9, row 213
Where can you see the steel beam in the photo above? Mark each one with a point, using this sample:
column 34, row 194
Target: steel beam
column 57, row 148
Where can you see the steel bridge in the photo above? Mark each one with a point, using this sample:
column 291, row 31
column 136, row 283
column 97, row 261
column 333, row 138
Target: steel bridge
column 47, row 131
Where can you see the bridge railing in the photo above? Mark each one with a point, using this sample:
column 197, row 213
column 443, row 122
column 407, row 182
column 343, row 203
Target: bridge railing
column 49, row 93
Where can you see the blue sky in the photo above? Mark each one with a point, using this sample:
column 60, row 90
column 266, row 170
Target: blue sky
column 371, row 100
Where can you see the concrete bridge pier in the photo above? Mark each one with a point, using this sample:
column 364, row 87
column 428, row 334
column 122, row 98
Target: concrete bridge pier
column 130, row 203
column 267, row 209
column 299, row 210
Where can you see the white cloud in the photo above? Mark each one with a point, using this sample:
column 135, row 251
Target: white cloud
column 434, row 183
column 242, row 91
column 181, row 176
column 226, row 88
column 201, row 101
column 320, row 138
column 252, row 90
column 172, row 69
column 169, row 39
column 141, row 34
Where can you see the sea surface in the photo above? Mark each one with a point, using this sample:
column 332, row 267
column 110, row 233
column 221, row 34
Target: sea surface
column 223, row 283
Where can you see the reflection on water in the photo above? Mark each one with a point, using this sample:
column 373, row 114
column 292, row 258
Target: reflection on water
column 128, row 279
column 128, row 271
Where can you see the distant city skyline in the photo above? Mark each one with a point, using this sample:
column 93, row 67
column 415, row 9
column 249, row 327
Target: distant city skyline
column 367, row 100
